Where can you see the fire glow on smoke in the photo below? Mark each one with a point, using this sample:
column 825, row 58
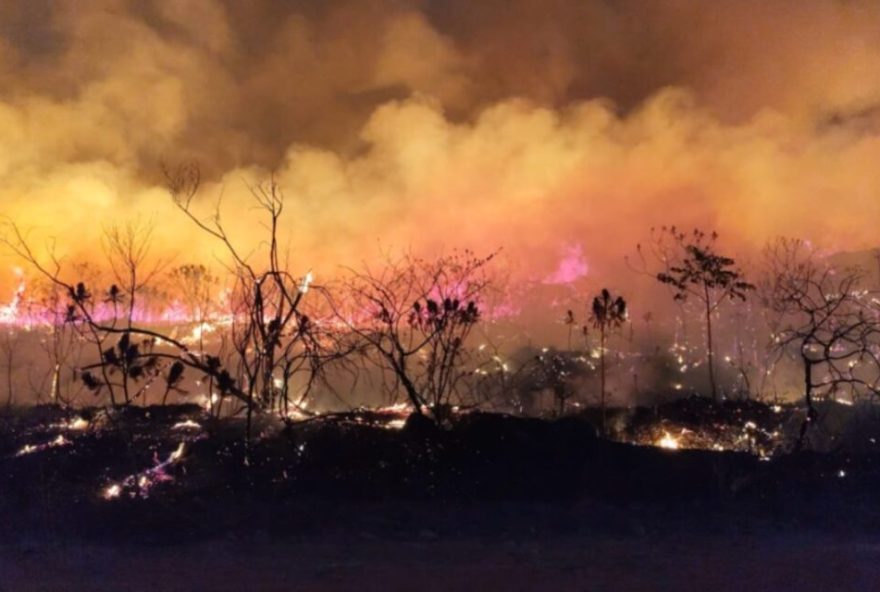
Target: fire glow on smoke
column 485, row 138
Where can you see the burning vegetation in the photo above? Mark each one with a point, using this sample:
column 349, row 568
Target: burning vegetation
column 341, row 286
column 254, row 380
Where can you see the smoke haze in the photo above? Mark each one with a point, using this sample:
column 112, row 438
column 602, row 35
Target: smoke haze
column 533, row 126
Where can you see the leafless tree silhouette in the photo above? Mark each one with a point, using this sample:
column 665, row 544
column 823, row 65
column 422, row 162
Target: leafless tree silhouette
column 414, row 317
column 272, row 338
column 826, row 320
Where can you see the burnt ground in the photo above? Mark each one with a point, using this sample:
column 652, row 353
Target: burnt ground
column 680, row 563
column 345, row 502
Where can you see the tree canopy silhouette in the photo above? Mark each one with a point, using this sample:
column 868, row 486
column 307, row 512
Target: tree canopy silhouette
column 608, row 313
column 694, row 269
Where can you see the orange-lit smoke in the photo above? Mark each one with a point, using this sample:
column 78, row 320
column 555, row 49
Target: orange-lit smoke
column 536, row 127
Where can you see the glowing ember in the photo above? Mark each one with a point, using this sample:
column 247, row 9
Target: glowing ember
column 58, row 442
column 187, row 425
column 140, row 484
column 77, row 424
column 396, row 424
column 207, row 403
column 668, row 441
column 111, row 492
column 396, row 408
column 397, row 413
column 177, row 454
column 26, row 449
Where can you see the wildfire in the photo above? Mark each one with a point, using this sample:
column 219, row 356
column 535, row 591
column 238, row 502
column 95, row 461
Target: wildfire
column 140, row 484
column 199, row 332
column 187, row 425
column 306, row 282
column 397, row 408
column 668, row 441
column 59, row 442
column 25, row 311
column 77, row 424
column 208, row 402
column 12, row 313
column 399, row 413
column 738, row 435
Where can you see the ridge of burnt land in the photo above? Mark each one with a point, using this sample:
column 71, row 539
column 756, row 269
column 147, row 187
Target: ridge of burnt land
column 485, row 473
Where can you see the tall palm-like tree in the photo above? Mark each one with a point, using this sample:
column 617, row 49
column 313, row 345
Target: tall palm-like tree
column 609, row 313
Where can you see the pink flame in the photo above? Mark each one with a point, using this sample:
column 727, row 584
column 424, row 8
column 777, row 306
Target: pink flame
column 571, row 267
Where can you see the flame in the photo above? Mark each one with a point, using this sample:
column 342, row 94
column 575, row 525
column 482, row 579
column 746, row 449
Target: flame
column 187, row 425
column 77, row 424
column 396, row 424
column 199, row 332
column 140, row 484
column 306, row 282
column 208, row 403
column 571, row 268
column 177, row 454
column 59, row 442
column 396, row 408
column 668, row 441
column 12, row 313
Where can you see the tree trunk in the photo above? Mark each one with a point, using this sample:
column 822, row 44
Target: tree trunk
column 10, row 391
column 56, row 384
column 248, row 426
column 710, row 349
column 602, row 374
column 808, row 397
column 411, row 391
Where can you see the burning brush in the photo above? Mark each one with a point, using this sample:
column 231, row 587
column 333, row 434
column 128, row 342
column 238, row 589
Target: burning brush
column 139, row 485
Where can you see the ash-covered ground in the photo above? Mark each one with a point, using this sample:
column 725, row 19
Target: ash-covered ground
column 169, row 498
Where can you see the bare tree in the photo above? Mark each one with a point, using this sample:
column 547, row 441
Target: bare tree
column 128, row 248
column 414, row 317
column 608, row 314
column 128, row 251
column 197, row 286
column 694, row 269
column 61, row 342
column 80, row 310
column 825, row 320
column 9, row 343
column 272, row 338
column 274, row 341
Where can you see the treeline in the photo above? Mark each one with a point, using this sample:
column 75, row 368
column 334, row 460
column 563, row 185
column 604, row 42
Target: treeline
column 276, row 335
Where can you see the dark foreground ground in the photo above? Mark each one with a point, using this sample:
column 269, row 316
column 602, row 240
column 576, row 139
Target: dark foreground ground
column 674, row 562
column 350, row 503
